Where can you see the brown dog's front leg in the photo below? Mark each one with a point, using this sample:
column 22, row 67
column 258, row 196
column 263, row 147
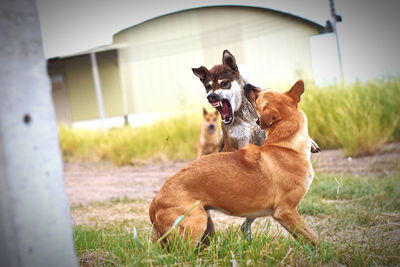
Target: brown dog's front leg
column 246, row 228
column 291, row 220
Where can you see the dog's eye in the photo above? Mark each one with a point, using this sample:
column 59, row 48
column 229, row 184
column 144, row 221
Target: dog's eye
column 208, row 87
column 225, row 84
column 258, row 122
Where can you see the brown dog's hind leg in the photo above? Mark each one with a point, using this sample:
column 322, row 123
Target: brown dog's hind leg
column 194, row 224
column 291, row 220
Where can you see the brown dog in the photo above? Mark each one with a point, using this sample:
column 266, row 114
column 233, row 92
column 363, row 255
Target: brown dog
column 254, row 181
column 224, row 85
column 209, row 140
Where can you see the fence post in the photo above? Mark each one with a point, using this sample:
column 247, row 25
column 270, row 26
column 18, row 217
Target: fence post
column 35, row 223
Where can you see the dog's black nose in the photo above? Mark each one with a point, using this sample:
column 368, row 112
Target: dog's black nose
column 213, row 97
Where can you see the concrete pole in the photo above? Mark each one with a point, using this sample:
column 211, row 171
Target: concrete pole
column 97, row 87
column 35, row 223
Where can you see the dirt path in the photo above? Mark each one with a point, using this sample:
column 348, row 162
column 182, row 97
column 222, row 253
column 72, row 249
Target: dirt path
column 93, row 182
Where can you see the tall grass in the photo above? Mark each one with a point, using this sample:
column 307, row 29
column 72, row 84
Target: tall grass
column 172, row 138
column 358, row 118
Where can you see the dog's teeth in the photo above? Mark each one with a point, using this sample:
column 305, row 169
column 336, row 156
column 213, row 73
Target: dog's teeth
column 216, row 104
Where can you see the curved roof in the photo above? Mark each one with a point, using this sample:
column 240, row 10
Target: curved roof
column 93, row 24
column 317, row 26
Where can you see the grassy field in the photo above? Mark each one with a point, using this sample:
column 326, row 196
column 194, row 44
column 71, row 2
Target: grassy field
column 357, row 219
column 358, row 118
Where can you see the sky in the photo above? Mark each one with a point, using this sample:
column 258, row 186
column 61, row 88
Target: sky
column 369, row 35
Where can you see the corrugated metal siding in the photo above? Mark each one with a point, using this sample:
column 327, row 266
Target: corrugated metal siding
column 156, row 67
column 110, row 83
column 80, row 86
column 156, row 73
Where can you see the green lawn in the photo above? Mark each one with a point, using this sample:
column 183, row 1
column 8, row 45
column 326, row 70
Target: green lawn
column 357, row 219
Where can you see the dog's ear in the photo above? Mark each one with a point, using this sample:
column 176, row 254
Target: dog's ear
column 296, row 91
column 251, row 93
column 204, row 111
column 229, row 61
column 201, row 72
column 216, row 112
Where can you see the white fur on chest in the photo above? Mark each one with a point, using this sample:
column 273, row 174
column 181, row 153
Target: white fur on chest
column 240, row 134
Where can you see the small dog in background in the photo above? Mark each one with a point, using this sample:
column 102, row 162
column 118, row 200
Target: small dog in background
column 209, row 140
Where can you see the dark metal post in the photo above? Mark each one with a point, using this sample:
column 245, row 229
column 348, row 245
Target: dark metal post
column 336, row 18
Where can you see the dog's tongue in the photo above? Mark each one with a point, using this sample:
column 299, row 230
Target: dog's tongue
column 225, row 111
column 225, row 107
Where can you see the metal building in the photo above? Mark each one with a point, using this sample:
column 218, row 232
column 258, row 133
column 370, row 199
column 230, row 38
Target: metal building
column 148, row 67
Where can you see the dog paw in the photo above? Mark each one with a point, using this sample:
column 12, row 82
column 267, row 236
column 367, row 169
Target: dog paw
column 314, row 147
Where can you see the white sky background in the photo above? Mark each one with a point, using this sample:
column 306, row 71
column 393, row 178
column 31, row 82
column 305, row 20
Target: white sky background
column 369, row 34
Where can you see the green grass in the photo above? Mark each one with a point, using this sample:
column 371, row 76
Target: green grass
column 358, row 118
column 356, row 217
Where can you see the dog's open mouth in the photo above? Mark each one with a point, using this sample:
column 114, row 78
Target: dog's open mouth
column 225, row 110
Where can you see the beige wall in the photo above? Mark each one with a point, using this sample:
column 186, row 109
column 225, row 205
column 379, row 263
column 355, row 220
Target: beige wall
column 60, row 99
column 80, row 93
column 156, row 73
column 156, row 66
column 110, row 83
column 79, row 83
